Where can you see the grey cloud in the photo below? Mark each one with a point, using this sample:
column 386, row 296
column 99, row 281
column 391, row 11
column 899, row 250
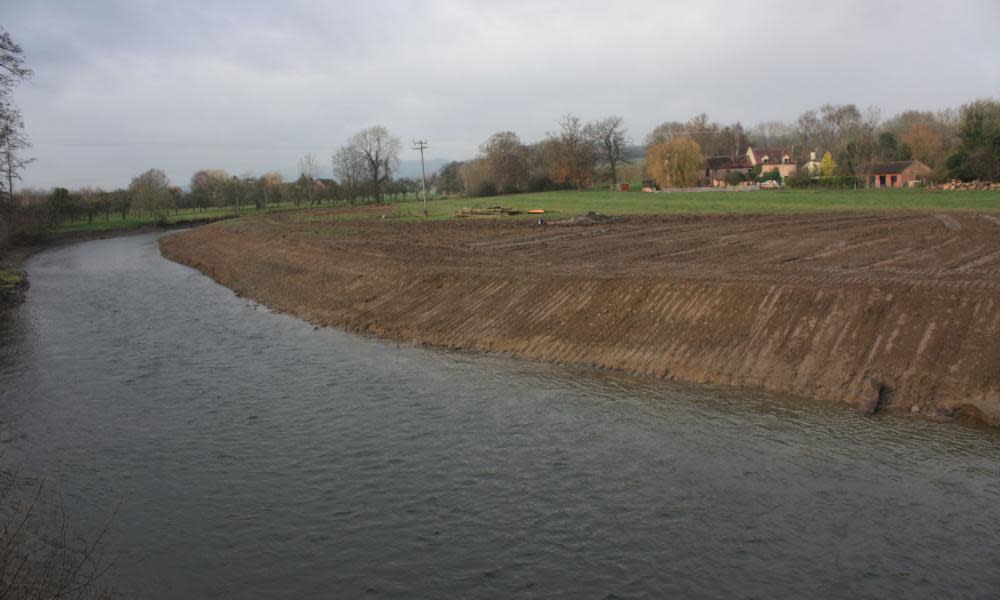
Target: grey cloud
column 252, row 86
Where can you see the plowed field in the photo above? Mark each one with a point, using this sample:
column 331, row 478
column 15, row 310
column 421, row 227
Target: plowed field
column 835, row 306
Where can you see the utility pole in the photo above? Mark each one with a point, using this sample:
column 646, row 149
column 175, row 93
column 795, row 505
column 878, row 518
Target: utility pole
column 422, row 145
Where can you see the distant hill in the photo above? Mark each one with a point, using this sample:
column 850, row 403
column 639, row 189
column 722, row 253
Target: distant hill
column 636, row 153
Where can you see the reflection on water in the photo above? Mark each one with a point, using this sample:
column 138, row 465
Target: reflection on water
column 258, row 456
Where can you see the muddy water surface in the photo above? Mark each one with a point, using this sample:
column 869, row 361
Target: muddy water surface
column 258, row 457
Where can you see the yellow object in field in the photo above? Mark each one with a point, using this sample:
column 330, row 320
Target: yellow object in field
column 536, row 211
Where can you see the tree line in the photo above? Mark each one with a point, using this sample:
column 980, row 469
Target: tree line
column 577, row 155
column 961, row 143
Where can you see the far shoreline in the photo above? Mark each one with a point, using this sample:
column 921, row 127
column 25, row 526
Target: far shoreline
column 14, row 260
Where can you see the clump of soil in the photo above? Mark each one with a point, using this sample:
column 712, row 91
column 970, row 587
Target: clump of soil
column 590, row 218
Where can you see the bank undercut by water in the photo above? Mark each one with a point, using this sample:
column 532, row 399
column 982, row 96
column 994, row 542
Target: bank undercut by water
column 897, row 311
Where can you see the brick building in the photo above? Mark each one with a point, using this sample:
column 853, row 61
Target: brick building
column 895, row 174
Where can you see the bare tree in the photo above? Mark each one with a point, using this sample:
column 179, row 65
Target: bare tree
column 12, row 67
column 151, row 191
column 378, row 153
column 12, row 139
column 209, row 187
column 270, row 185
column 507, row 159
column 308, row 173
column 610, row 139
column 570, row 156
column 349, row 169
column 12, row 144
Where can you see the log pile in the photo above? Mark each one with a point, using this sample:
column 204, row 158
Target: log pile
column 977, row 185
column 491, row 211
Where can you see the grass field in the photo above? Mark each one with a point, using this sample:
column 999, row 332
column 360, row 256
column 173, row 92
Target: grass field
column 184, row 215
column 570, row 203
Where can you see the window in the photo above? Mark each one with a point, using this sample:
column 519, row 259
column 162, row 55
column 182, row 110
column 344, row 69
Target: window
column 894, row 179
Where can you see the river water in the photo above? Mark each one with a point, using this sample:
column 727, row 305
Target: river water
column 256, row 456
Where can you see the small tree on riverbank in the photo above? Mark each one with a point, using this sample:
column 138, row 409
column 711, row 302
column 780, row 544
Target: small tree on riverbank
column 151, row 192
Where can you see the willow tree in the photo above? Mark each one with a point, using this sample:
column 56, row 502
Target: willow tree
column 675, row 163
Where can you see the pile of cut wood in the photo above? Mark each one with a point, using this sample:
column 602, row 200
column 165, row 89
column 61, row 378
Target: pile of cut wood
column 955, row 184
column 491, row 211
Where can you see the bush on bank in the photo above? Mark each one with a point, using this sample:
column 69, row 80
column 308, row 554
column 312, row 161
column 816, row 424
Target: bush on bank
column 828, row 182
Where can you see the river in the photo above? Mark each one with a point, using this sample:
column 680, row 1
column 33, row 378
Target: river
column 256, row 456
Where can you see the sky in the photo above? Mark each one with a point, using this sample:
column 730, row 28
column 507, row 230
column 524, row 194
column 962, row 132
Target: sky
column 251, row 86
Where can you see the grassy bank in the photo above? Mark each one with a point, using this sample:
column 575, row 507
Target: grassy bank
column 9, row 280
column 568, row 203
column 12, row 285
column 189, row 215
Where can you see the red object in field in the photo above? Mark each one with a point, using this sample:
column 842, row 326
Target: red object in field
column 623, row 187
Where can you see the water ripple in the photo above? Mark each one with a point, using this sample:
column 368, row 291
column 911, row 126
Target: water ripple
column 260, row 457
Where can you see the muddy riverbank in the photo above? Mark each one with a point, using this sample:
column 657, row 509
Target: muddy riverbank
column 898, row 310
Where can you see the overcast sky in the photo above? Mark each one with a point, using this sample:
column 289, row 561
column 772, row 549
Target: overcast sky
column 247, row 86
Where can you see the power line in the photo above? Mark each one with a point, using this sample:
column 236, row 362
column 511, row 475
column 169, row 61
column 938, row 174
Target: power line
column 422, row 145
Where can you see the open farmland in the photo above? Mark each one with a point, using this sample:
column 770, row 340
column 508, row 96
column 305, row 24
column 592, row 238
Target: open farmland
column 571, row 203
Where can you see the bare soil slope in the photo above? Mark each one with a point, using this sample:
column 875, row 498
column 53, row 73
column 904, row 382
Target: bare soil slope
column 843, row 307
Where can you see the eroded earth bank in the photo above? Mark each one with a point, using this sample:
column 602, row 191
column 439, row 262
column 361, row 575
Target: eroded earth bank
column 902, row 309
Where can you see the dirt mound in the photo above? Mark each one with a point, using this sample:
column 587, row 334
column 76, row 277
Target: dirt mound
column 815, row 305
column 590, row 218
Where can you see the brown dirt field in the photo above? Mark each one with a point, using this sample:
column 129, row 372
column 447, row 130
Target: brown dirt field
column 821, row 306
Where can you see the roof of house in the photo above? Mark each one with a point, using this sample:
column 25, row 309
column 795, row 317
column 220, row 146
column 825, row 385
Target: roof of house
column 719, row 162
column 771, row 153
column 894, row 167
column 727, row 162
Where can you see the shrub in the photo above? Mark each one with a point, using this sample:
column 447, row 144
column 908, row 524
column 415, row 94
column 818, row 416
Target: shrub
column 838, row 181
column 801, row 179
column 735, row 178
column 539, row 183
column 486, row 188
column 774, row 175
column 832, row 182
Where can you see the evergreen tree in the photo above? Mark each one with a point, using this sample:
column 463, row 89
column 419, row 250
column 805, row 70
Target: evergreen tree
column 827, row 168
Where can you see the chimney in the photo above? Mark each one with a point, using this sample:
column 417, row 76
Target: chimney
column 812, row 156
